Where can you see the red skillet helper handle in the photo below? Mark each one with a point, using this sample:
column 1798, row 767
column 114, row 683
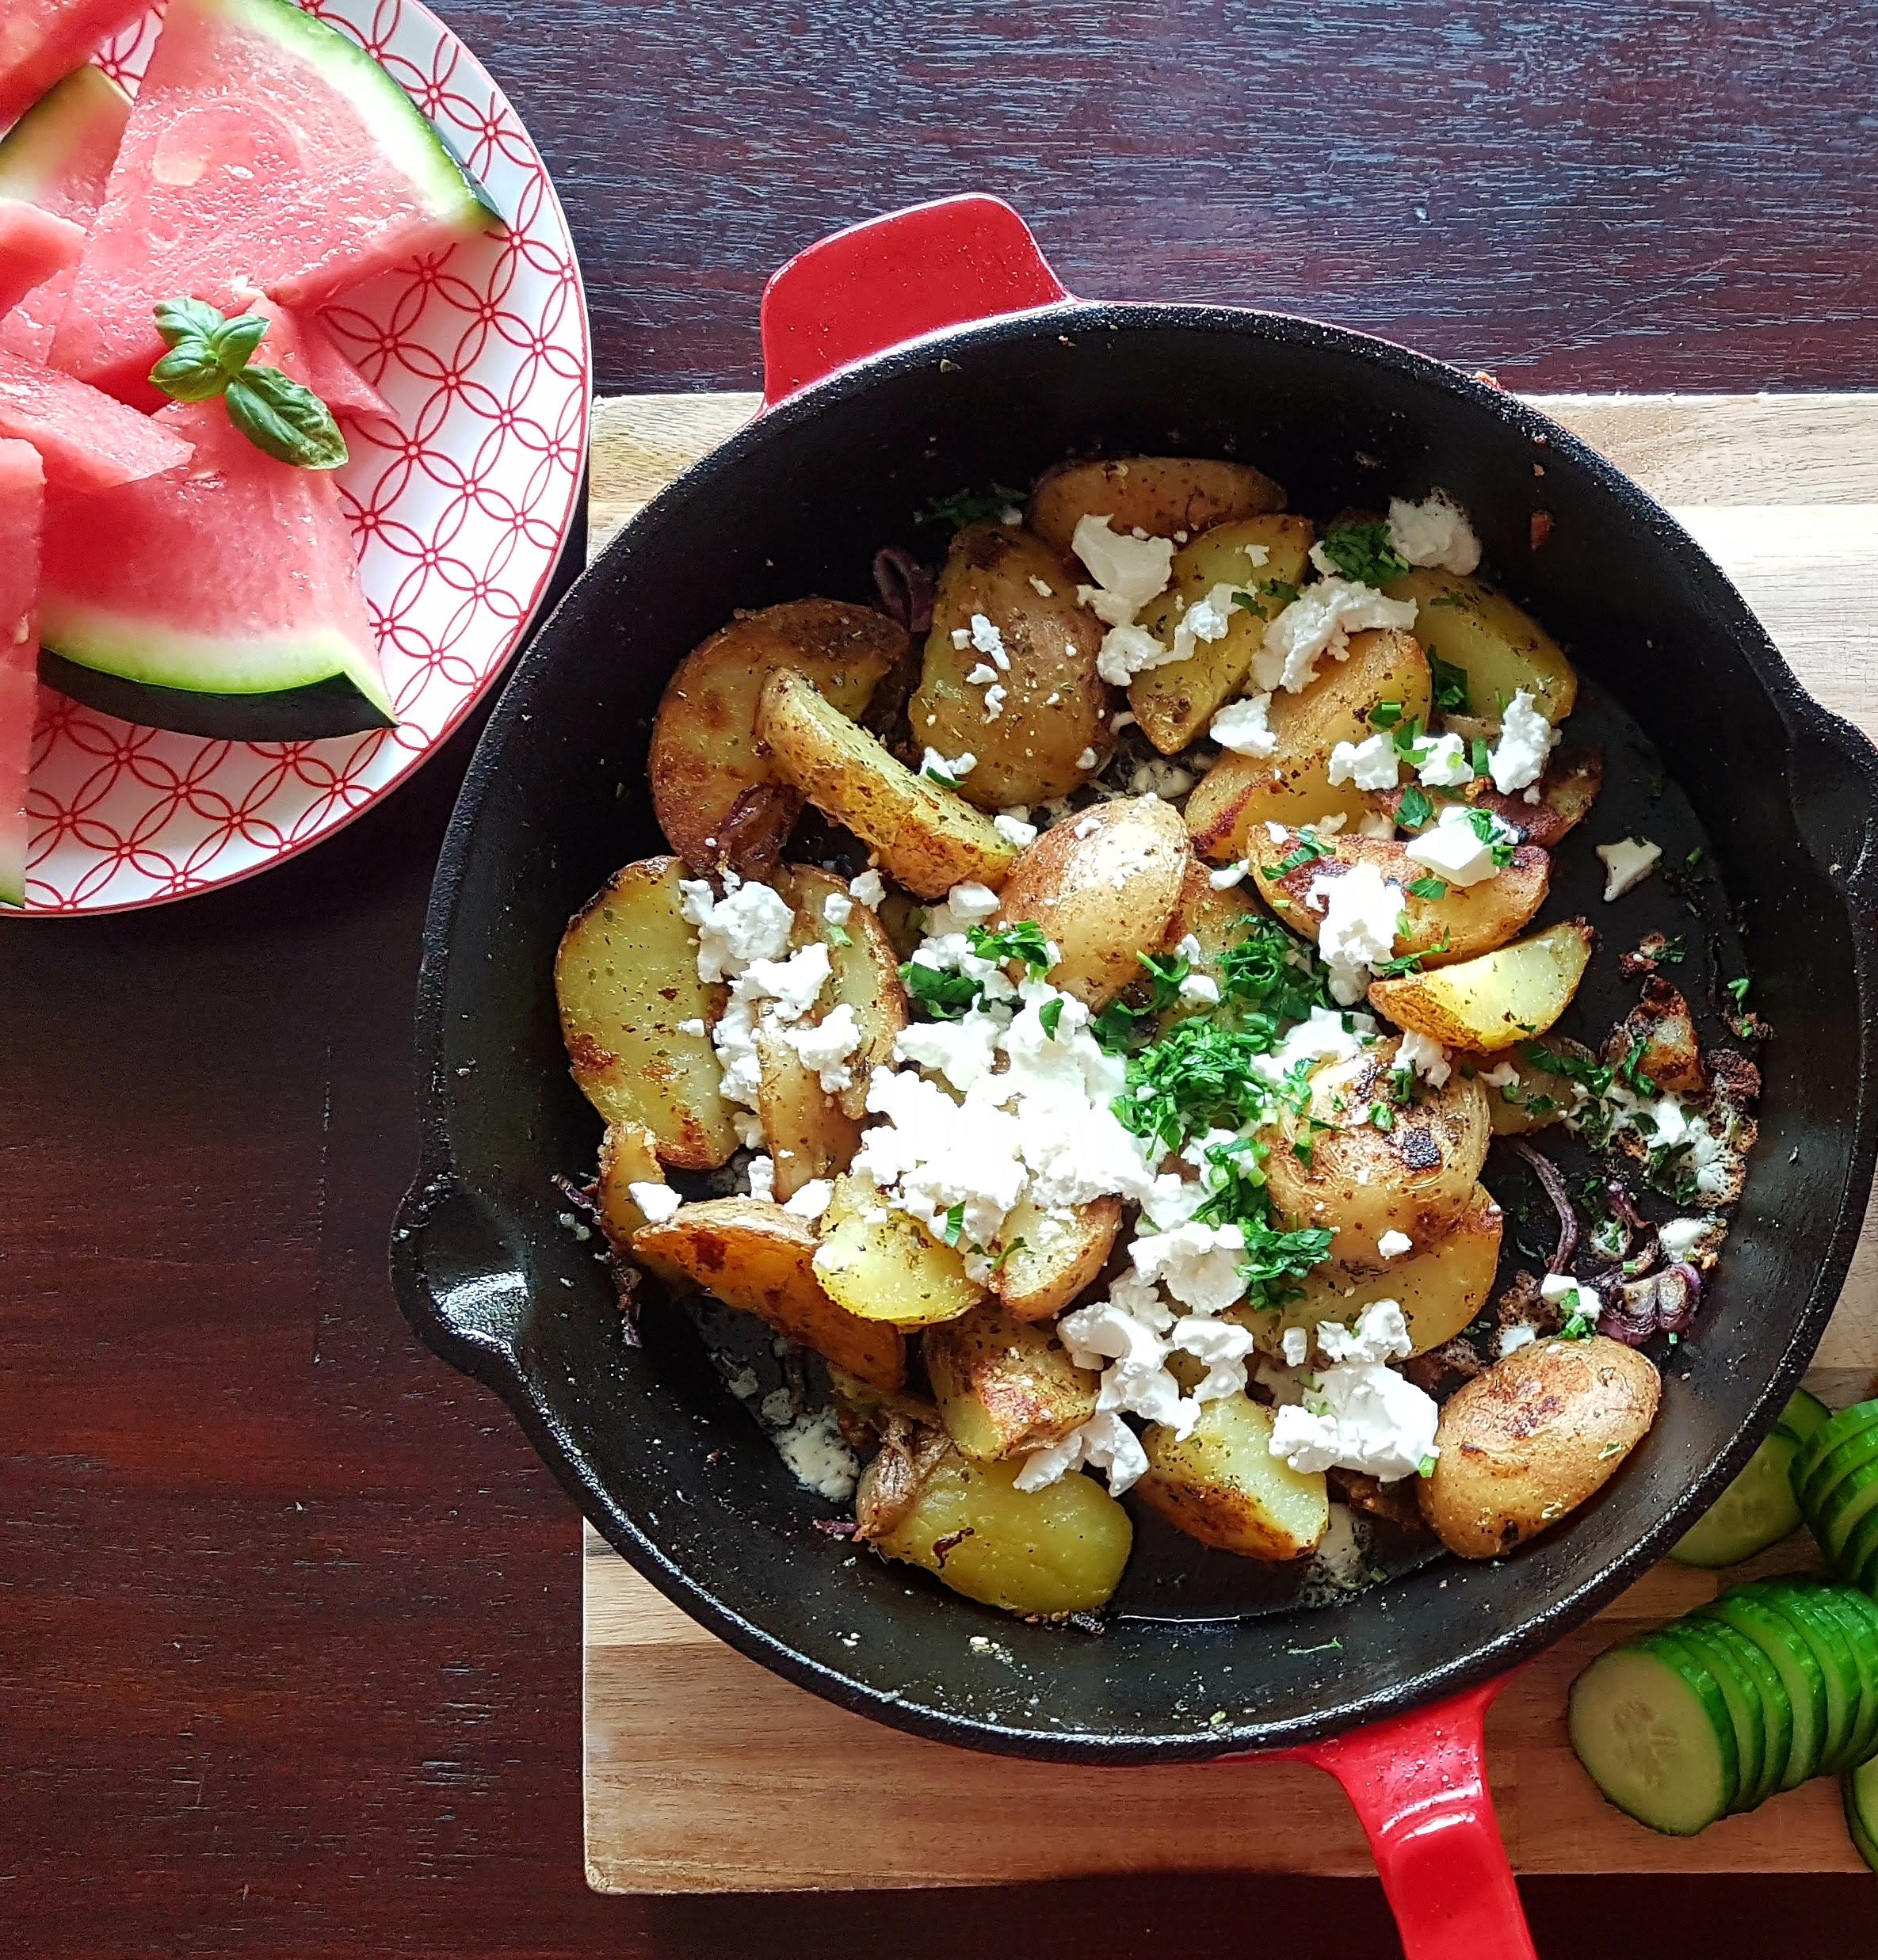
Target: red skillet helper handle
column 893, row 278
column 1418, row 1784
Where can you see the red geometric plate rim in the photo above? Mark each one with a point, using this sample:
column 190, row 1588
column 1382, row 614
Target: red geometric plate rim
column 462, row 513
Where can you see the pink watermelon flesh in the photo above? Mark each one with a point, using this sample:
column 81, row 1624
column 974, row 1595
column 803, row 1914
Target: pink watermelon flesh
column 327, row 371
column 22, row 496
column 237, row 577
column 264, row 147
column 34, row 245
column 43, row 41
column 88, row 440
column 58, row 156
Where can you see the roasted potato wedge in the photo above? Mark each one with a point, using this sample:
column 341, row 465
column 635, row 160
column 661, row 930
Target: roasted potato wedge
column 629, row 1156
column 928, row 837
column 807, row 1133
column 1465, row 622
column 1102, row 886
column 626, row 975
column 1222, row 1486
column 1240, row 794
column 1416, row 1177
column 1441, row 1286
column 1175, row 703
column 1660, row 1025
column 1524, row 1444
column 717, row 796
column 1052, row 1260
column 1465, row 921
column 1004, row 1384
column 882, row 1266
column 1052, row 709
column 1059, row 1550
column 1498, row 1000
column 754, row 1254
column 1161, row 495
column 864, row 972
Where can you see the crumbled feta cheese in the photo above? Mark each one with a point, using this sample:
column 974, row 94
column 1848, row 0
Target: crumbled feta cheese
column 1296, row 1346
column 1502, row 1075
column 694, row 1026
column 1561, row 1291
column 1454, row 848
column 1320, row 621
column 1259, row 554
column 1370, row 764
column 1121, row 718
column 762, row 1178
column 1361, row 1415
column 994, row 700
column 965, row 906
column 1088, row 759
column 1380, row 1334
column 1105, row 1442
column 1128, row 650
column 961, row 637
column 1199, row 1264
column 749, row 1128
column 1393, row 1244
column 1224, row 1347
column 869, row 889
column 1042, row 590
column 1205, row 621
column 952, row 773
column 981, row 676
column 1678, row 1238
column 990, row 642
column 1200, row 990
column 1627, row 863
column 1228, row 875
column 1013, row 829
column 749, row 922
column 1361, row 909
column 1129, row 571
column 1244, row 727
column 964, row 1051
column 1159, row 777
column 826, row 1047
column 1512, row 1339
column 1527, row 738
column 1426, row 1056
column 812, row 1199
column 1444, row 763
column 1436, row 532
column 658, row 1201
column 813, row 1448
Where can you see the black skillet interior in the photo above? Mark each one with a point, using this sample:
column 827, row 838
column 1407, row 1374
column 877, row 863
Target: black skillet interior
column 661, row 1457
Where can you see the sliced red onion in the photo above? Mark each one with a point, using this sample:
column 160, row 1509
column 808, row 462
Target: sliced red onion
column 906, row 589
column 1678, row 1294
column 1547, row 1173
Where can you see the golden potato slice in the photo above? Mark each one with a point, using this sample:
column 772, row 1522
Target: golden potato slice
column 718, row 798
column 1052, row 709
column 626, row 975
column 1524, row 1444
column 928, row 837
column 1661, row 1026
column 1174, row 704
column 1161, row 495
column 882, row 1265
column 1222, row 1486
column 629, row 1156
column 1466, row 622
column 1441, row 1286
column 1059, row 1550
column 753, row 1254
column 864, row 971
column 1498, row 1000
column 1416, row 1176
column 1004, row 1384
column 1240, row 794
column 1464, row 921
column 1102, row 886
column 1052, row 1260
column 806, row 1132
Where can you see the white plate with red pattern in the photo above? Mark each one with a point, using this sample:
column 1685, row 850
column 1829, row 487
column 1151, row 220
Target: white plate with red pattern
column 461, row 514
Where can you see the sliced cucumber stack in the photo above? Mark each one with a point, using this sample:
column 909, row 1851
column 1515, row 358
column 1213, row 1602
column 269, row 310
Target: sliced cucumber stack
column 1771, row 1684
column 1759, row 1508
column 1835, row 1480
column 1862, row 1810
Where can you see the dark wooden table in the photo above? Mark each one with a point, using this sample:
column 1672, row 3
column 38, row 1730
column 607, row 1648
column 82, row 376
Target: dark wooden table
column 289, row 1614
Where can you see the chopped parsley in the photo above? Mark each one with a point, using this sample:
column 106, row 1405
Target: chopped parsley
column 1595, row 1077
column 1381, row 1116
column 1235, row 1175
column 1488, row 828
column 1267, row 978
column 964, row 507
column 1198, row 1076
column 954, row 1227
column 1479, row 759
column 1309, row 846
column 944, row 996
column 1451, row 695
column 1024, row 941
column 1362, row 551
column 840, row 935
column 1406, row 963
column 1631, row 1069
column 1279, row 593
column 1050, row 1017
column 1385, row 715
column 1739, row 989
column 1428, row 888
column 1415, row 809
column 1004, row 1252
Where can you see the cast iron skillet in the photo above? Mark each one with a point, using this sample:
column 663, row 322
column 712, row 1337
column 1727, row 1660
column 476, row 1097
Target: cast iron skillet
column 647, row 1441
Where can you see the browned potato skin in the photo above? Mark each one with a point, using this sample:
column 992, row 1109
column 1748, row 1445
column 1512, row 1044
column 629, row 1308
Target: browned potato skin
column 1046, row 1273
column 1418, row 1177
column 1222, row 1486
column 754, row 1254
column 629, row 1156
column 718, row 799
column 1473, row 919
column 865, row 973
column 1660, row 1023
column 1524, row 1444
column 808, row 1133
column 1240, row 794
column 1004, row 1384
column 1055, row 708
column 1066, row 883
column 1566, row 792
column 1158, row 495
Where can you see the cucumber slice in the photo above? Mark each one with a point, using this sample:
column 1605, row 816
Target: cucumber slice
column 1705, row 1647
column 1846, row 1507
column 1862, row 1640
column 1803, row 1414
column 1860, row 1789
column 1770, row 1692
column 1756, row 1510
column 1799, row 1671
column 1795, row 1602
column 1655, row 1735
column 1844, row 1442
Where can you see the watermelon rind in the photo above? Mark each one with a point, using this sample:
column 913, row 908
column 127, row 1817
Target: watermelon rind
column 410, row 143
column 347, row 702
column 33, row 152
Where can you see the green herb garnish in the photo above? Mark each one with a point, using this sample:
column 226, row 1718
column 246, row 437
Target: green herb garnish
column 1415, row 808
column 1050, row 1017
column 1025, row 941
column 1280, row 592
column 1487, row 828
column 1309, row 846
column 954, row 1224
column 1739, row 989
column 839, row 935
column 944, row 996
column 1406, row 963
column 1451, row 695
column 1593, row 1076
column 210, row 355
column 1362, row 551
column 1428, row 888
column 964, row 507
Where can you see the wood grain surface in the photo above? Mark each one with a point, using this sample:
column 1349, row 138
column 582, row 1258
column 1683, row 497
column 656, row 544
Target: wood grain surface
column 288, row 1612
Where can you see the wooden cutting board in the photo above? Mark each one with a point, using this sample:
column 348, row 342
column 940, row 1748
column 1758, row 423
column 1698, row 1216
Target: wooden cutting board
column 705, row 1773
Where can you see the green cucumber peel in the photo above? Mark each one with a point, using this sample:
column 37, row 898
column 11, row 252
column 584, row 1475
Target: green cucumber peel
column 211, row 356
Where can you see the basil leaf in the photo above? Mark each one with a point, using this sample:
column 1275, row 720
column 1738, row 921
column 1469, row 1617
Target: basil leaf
column 284, row 420
column 190, row 372
column 234, row 340
column 179, row 320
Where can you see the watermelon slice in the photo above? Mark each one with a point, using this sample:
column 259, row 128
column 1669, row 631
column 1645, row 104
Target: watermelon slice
column 34, row 245
column 333, row 378
column 22, row 495
column 89, row 441
column 58, row 156
column 221, row 601
column 264, row 147
column 42, row 41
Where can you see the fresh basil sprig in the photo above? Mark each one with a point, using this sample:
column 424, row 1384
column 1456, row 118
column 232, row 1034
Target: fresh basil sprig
column 210, row 355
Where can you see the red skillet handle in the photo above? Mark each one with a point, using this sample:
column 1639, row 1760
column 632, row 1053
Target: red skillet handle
column 911, row 273
column 1419, row 1786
